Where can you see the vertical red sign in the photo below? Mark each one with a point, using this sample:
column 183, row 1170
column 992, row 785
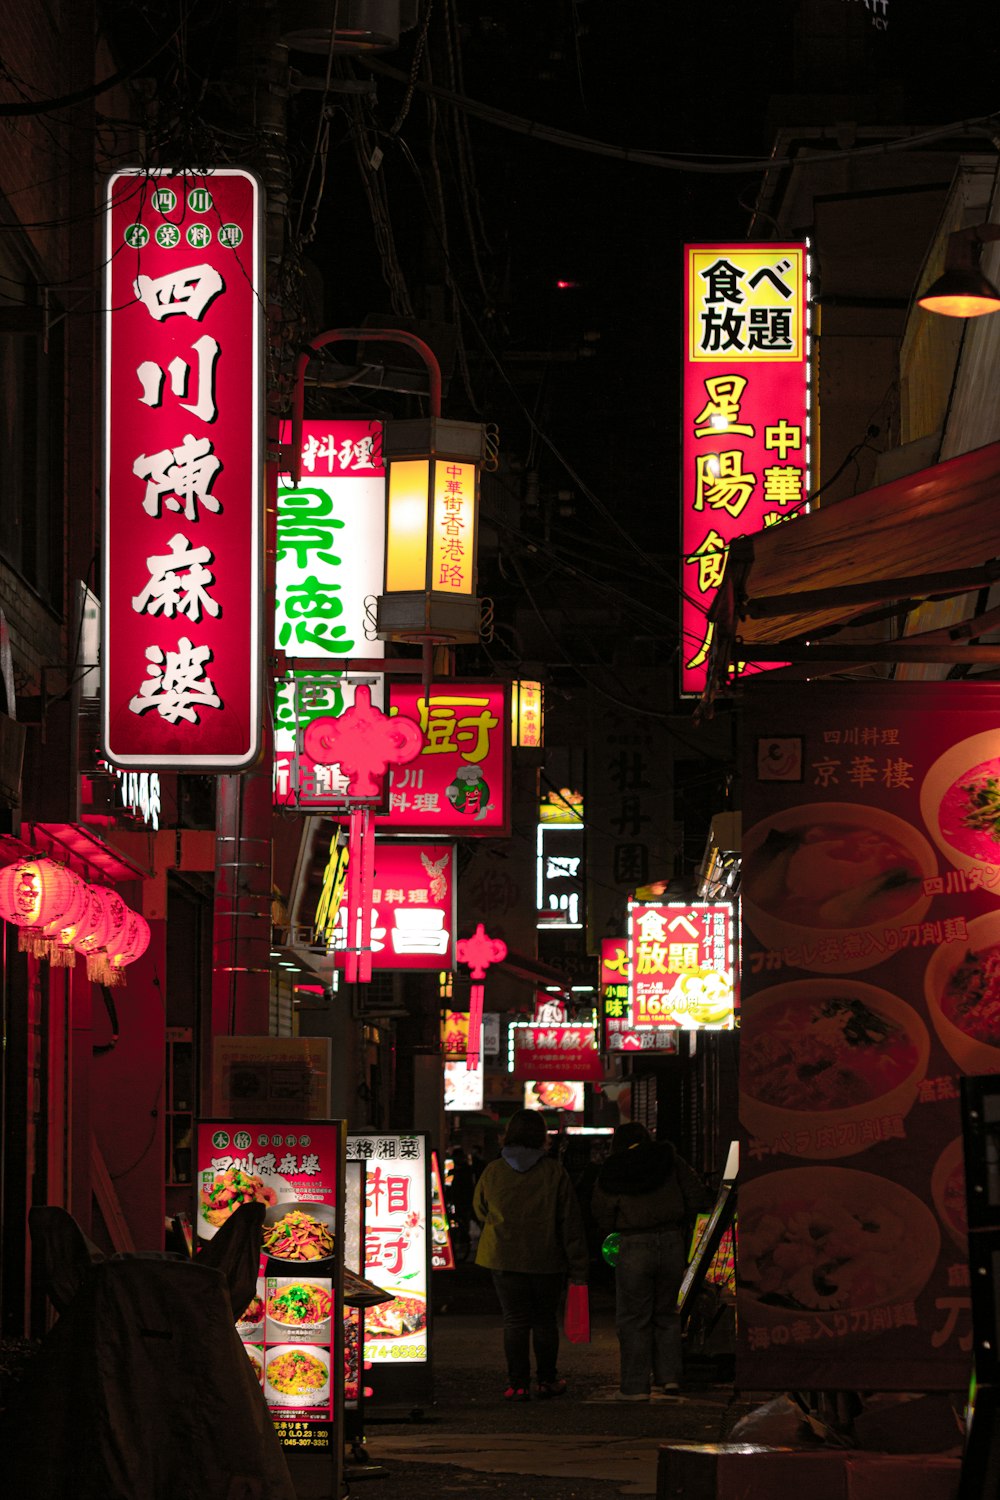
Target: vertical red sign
column 183, row 470
column 745, row 446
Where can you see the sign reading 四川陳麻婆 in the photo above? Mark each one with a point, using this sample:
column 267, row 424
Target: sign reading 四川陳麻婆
column 181, row 658
column 745, row 434
column 330, row 540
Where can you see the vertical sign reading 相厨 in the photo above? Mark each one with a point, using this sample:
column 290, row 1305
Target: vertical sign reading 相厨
column 745, row 442
column 181, row 661
column 329, row 547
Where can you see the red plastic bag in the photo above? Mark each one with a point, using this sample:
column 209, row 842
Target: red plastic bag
column 577, row 1320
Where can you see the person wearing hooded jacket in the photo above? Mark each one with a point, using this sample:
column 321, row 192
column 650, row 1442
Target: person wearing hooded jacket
column 532, row 1238
column 649, row 1196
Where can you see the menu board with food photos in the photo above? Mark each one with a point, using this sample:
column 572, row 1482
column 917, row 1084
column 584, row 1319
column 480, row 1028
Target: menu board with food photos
column 871, row 983
column 397, row 1343
column 292, row 1329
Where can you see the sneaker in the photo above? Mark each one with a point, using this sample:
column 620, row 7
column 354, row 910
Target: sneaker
column 516, row 1393
column 549, row 1388
column 671, row 1388
column 629, row 1396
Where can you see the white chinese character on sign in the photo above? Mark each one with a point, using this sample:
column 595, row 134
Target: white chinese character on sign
column 178, row 581
column 686, row 923
column 177, row 686
column 151, row 378
column 338, row 943
column 419, row 929
column 190, row 291
column 184, row 474
column 652, row 926
column 561, row 867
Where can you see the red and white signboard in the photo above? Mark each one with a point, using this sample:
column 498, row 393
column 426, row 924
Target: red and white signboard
column 682, row 965
column 745, row 440
column 459, row 783
column 557, row 1052
column 412, row 910
column 181, row 660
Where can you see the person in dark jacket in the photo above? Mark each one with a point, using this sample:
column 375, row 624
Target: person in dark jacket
column 532, row 1238
column 648, row 1195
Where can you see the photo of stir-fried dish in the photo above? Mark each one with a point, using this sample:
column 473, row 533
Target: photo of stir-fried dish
column 831, row 874
column 298, row 1373
column 300, row 1304
column 298, row 1235
column 255, row 1359
column 814, row 1239
column 396, row 1319
column 253, row 1314
column 229, row 1191
column 820, row 1050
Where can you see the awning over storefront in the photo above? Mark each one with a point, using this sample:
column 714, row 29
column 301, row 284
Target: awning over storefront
column 789, row 592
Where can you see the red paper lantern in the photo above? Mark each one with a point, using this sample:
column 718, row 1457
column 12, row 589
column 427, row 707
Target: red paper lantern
column 57, row 939
column 35, row 894
column 130, row 944
column 103, row 923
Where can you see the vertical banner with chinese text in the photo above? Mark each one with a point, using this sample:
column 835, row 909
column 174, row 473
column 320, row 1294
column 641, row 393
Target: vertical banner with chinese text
column 745, row 435
column 181, row 658
column 871, row 948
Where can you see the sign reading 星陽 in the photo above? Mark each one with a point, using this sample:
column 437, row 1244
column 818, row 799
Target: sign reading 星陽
column 745, row 439
column 330, row 540
column 181, row 660
column 459, row 783
column 682, row 965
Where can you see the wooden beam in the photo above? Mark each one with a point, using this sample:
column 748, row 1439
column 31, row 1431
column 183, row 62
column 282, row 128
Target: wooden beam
column 879, row 591
column 851, row 653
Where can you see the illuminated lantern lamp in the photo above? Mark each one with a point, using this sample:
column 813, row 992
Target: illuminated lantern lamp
column 59, row 935
column 130, row 944
column 527, row 715
column 34, row 895
column 962, row 291
column 432, row 519
column 101, row 926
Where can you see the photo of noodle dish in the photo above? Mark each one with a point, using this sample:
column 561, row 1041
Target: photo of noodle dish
column 962, row 988
column 948, row 1192
column 823, row 1062
column 257, row 1360
column 302, row 1306
column 814, row 1240
column 297, row 1375
column 819, row 878
column 250, row 1325
column 222, row 1193
column 960, row 803
column 299, row 1233
column 406, row 1314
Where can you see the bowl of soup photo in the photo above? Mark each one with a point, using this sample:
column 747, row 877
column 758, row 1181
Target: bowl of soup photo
column 962, row 987
column 826, row 1063
column 821, row 879
column 948, row 1192
column 960, row 803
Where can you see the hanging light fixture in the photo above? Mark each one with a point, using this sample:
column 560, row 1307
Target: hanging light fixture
column 102, row 925
column 527, row 714
column 35, row 894
column 962, row 291
column 57, row 941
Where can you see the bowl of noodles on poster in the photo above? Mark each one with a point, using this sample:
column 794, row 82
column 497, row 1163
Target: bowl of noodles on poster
column 824, row 881
column 813, row 1242
column 960, row 804
column 962, row 989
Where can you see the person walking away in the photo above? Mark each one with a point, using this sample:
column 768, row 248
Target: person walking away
column 648, row 1195
column 532, row 1238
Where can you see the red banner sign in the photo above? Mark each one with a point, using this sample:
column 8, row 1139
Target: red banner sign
column 557, row 1052
column 459, row 783
column 745, row 415
column 183, row 471
column 682, row 965
column 413, row 908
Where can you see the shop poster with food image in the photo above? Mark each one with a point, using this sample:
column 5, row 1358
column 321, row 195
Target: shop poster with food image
column 291, row 1329
column 870, row 986
column 397, row 1254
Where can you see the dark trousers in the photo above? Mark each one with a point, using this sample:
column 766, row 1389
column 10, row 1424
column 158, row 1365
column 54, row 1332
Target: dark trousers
column 530, row 1301
column 648, row 1275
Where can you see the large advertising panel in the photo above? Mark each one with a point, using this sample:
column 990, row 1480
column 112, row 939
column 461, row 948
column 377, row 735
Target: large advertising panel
column 745, row 434
column 871, row 921
column 329, row 549
column 181, row 658
column 413, row 908
column 292, row 1329
column 682, row 965
column 460, row 781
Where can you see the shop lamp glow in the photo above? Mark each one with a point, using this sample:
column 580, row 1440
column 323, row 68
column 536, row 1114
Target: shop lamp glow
column 432, row 522
column 527, row 715
column 962, row 291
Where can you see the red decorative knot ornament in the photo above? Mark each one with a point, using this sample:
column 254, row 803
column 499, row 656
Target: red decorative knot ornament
column 34, row 895
column 478, row 951
column 363, row 741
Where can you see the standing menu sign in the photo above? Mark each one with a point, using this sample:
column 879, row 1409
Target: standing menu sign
column 181, row 658
column 398, row 1258
column 292, row 1328
column 871, row 955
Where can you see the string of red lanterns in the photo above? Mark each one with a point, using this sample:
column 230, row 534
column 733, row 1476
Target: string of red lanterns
column 59, row 915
